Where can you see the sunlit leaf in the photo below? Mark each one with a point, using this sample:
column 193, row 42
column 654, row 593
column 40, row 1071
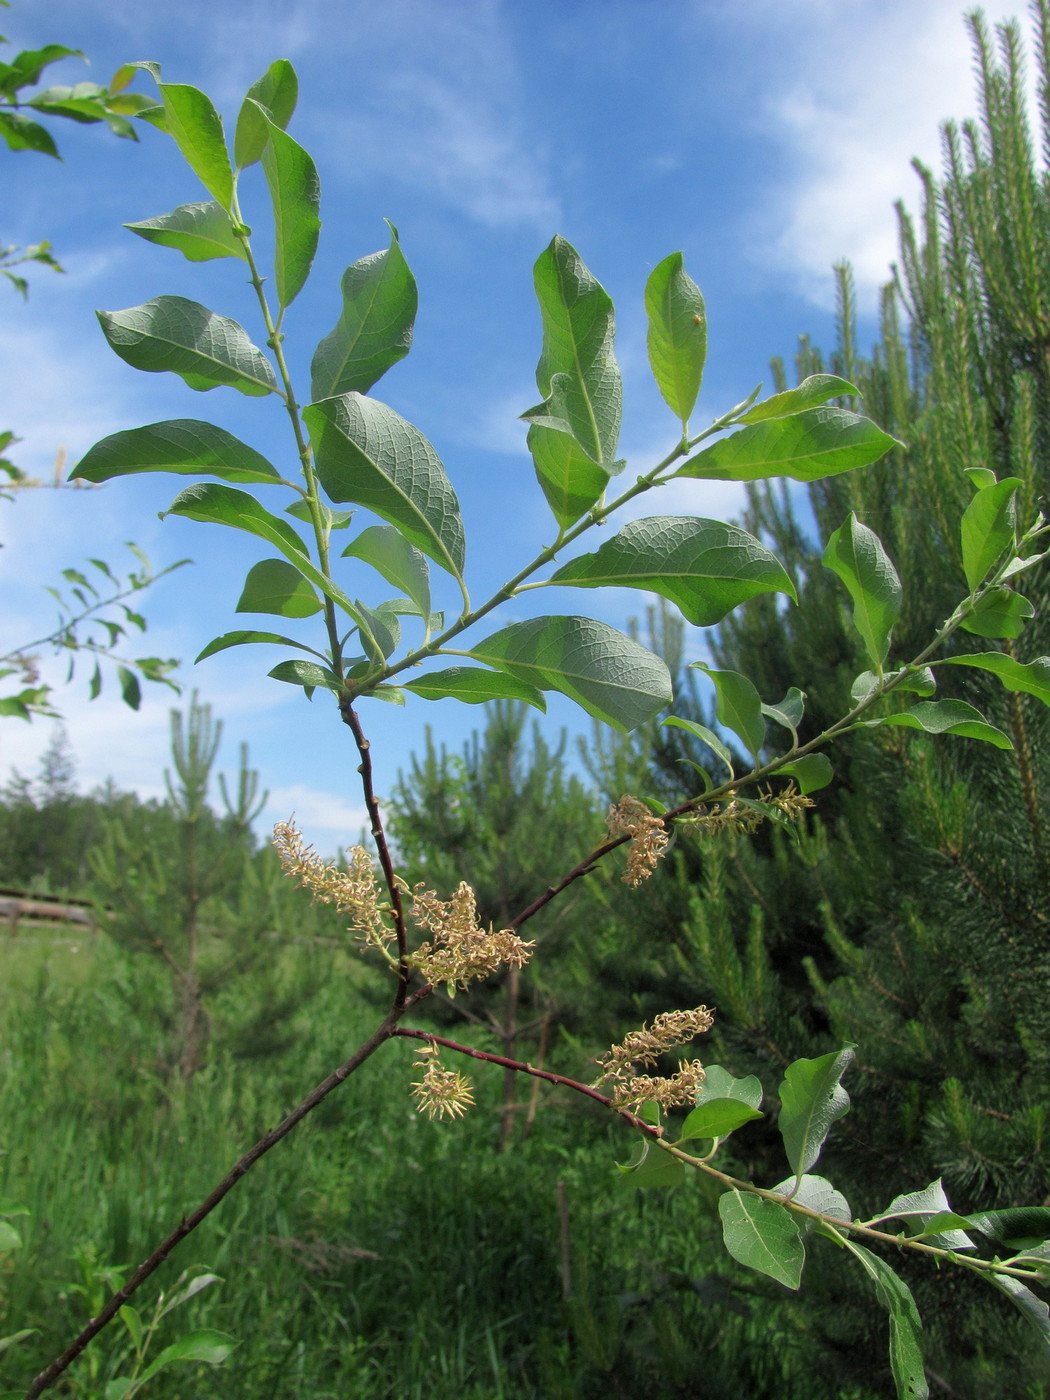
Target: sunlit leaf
column 856, row 555
column 811, row 772
column 811, row 393
column 611, row 676
column 295, row 192
column 577, row 369
column 677, row 336
column 275, row 586
column 705, row 567
column 400, row 563
column 276, row 92
column 909, row 1373
column 474, row 686
column 571, row 482
column 737, row 705
column 374, row 330
column 196, row 126
column 199, row 231
column 369, row 455
column 988, row 528
column 171, row 333
column 182, row 445
column 808, row 446
column 1000, row 613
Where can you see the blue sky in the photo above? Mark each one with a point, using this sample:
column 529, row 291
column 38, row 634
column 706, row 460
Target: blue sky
column 765, row 140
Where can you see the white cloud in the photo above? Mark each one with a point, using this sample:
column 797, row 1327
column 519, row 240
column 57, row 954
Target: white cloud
column 325, row 819
column 871, row 82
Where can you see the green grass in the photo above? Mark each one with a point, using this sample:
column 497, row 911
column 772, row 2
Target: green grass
column 372, row 1254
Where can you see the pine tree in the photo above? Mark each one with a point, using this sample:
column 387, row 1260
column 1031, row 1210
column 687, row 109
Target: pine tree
column 913, row 918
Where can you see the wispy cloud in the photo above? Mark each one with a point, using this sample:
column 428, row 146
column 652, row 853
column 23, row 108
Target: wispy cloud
column 870, row 85
column 435, row 102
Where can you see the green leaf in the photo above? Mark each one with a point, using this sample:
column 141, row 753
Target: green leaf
column 8, row 1205
column 380, row 631
column 1000, row 613
column 918, row 1207
column 188, row 1287
column 677, row 337
column 374, row 330
column 171, row 333
column 369, row 455
column 811, row 772
column 199, row 231
column 811, row 393
column 1017, row 1227
column 705, row 735
column 306, row 673
column 737, row 706
column 239, row 639
column 922, row 682
column 182, row 445
column 400, row 563
column 274, row 586
column 808, row 446
column 611, row 676
column 652, row 1167
column 816, row 1193
column 722, row 1104
column 1030, row 679
column 893, row 1293
column 277, row 92
column 811, row 1099
column 856, row 555
column 210, row 1347
column 989, row 525
column 295, row 192
column 762, row 1236
column 577, row 369
column 25, row 68
column 195, row 125
column 945, row 717
column 82, row 102
column 571, row 482
column 789, row 711
column 11, row 1341
column 130, row 690
column 474, row 687
column 705, row 567
column 331, row 519
column 133, row 1322
column 21, row 134
column 225, row 505
column 9, row 1237
column 1032, row 1308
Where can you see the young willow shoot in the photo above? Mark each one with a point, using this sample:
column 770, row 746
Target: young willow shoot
column 349, row 449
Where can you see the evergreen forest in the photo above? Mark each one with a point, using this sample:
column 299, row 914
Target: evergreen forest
column 907, row 914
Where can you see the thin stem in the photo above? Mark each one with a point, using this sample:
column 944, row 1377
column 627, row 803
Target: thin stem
column 393, row 885
column 655, row 1133
column 189, row 1223
column 55, row 638
column 317, row 518
column 522, row 1067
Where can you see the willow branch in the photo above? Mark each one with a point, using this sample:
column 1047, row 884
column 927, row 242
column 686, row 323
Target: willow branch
column 364, row 748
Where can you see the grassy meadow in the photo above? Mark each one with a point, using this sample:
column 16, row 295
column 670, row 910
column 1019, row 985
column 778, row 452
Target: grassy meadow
column 373, row 1253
